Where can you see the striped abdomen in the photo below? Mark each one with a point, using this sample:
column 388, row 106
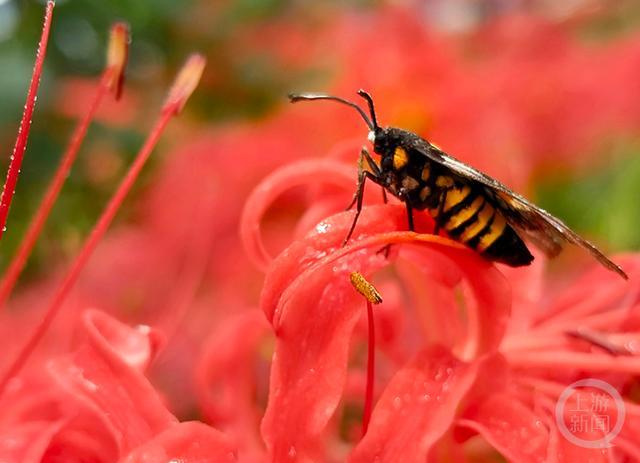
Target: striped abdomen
column 469, row 216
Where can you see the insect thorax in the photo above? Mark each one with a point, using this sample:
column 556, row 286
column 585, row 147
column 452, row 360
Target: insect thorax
column 411, row 176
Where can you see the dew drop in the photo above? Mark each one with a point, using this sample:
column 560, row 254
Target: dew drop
column 322, row 227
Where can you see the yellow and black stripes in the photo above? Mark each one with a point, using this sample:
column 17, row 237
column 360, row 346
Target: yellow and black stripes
column 465, row 211
column 471, row 218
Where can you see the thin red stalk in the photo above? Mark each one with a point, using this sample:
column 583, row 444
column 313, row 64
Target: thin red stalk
column 371, row 360
column 111, row 80
column 51, row 195
column 25, row 124
column 557, row 361
column 372, row 296
column 599, row 340
column 180, row 91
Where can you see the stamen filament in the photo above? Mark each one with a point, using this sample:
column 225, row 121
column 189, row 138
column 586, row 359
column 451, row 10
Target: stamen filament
column 171, row 107
column 371, row 362
column 111, row 80
column 25, row 124
column 372, row 296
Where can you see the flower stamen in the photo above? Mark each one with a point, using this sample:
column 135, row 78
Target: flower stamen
column 111, row 79
column 183, row 86
column 117, row 56
column 372, row 296
column 25, row 124
column 599, row 340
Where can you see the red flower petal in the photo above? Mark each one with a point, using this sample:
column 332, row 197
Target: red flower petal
column 226, row 380
column 298, row 173
column 105, row 376
column 416, row 408
column 28, row 442
column 510, row 427
column 189, row 442
column 562, row 451
column 119, row 343
column 313, row 309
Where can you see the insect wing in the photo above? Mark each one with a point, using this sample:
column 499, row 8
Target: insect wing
column 543, row 229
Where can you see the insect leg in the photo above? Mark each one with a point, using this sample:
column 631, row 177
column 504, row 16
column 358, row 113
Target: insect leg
column 363, row 175
column 409, row 215
column 372, row 164
column 384, row 195
column 364, row 154
column 375, row 169
column 443, row 198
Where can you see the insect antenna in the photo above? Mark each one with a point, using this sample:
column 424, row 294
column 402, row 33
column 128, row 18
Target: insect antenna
column 372, row 110
column 295, row 97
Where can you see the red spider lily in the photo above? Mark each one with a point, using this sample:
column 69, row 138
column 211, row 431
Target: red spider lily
column 222, row 166
column 96, row 405
column 490, row 366
column 451, row 378
column 182, row 88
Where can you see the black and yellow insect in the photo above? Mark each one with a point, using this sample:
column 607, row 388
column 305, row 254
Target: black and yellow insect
column 470, row 206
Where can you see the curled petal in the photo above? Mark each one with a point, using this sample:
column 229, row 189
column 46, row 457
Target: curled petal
column 511, row 428
column 189, row 442
column 28, row 442
column 488, row 314
column 104, row 377
column 562, row 451
column 487, row 311
column 416, row 408
column 136, row 347
column 313, row 309
column 226, row 378
column 309, row 366
column 294, row 174
column 318, row 244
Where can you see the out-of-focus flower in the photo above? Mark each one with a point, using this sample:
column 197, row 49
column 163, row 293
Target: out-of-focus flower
column 517, row 95
column 96, row 405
